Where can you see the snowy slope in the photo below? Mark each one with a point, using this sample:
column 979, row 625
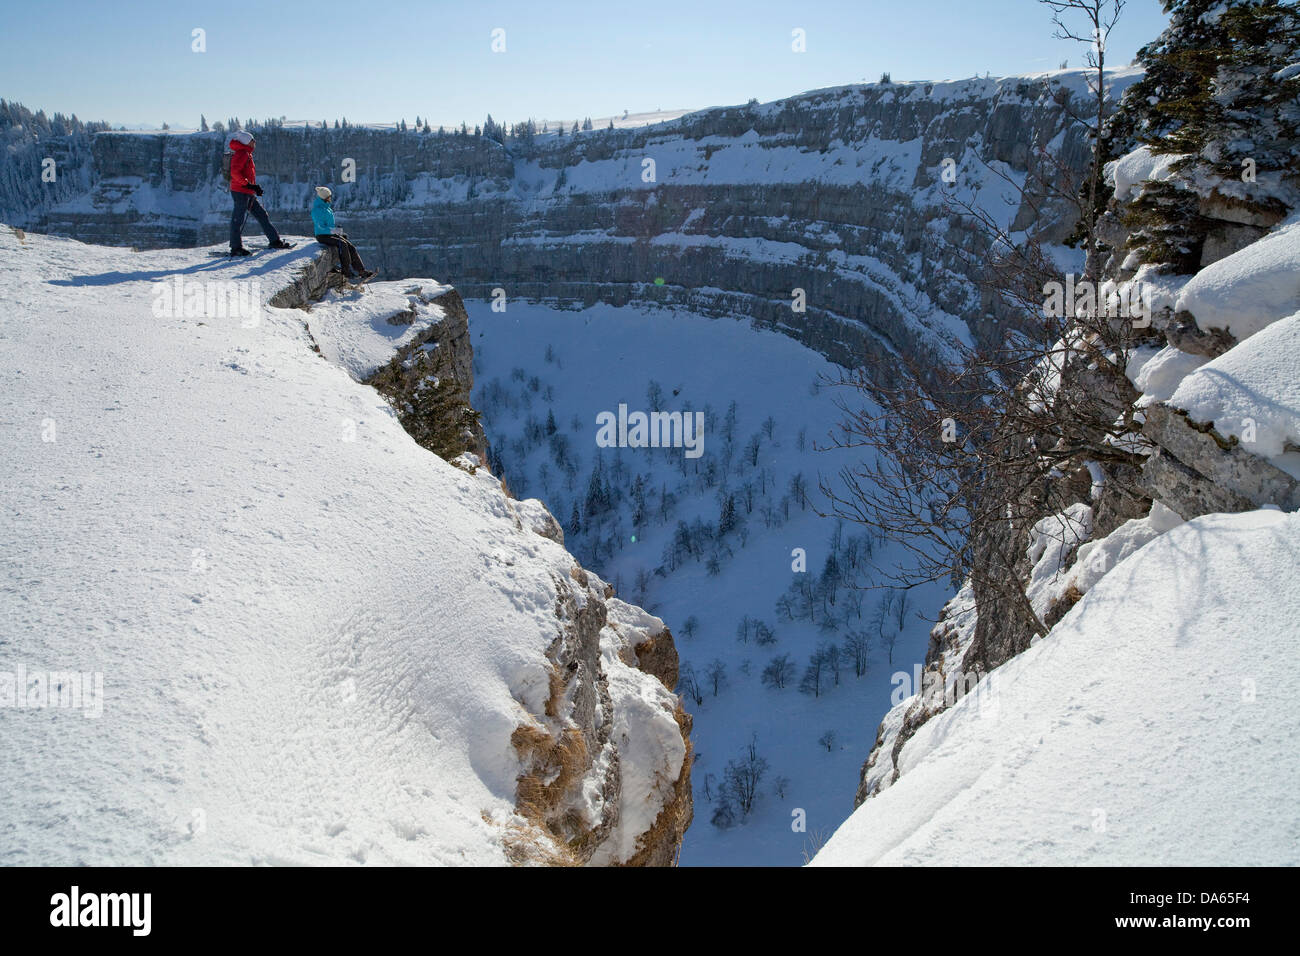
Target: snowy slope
column 315, row 637
column 1154, row 725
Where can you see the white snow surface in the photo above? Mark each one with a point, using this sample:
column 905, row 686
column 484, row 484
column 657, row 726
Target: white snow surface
column 1135, row 169
column 355, row 330
column 1158, row 373
column 315, row 637
column 1252, row 391
column 1154, row 726
column 1250, row 289
column 1096, row 558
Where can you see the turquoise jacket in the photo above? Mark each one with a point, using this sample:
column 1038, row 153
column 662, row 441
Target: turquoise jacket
column 322, row 217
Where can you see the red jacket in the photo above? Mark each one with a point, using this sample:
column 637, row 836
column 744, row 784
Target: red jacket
column 242, row 172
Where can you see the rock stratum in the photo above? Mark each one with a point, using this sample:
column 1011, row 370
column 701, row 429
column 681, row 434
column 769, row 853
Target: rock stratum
column 849, row 194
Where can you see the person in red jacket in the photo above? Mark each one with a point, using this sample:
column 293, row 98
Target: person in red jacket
column 244, row 191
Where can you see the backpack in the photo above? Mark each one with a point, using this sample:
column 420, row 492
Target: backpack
column 225, row 165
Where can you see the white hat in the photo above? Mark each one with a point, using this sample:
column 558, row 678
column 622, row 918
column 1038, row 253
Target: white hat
column 323, row 192
column 242, row 136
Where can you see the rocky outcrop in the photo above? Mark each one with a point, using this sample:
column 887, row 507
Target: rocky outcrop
column 311, row 282
column 1195, row 470
column 605, row 776
column 430, row 379
column 940, row 684
column 1173, row 468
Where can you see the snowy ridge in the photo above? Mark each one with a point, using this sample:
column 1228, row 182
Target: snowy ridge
column 317, row 641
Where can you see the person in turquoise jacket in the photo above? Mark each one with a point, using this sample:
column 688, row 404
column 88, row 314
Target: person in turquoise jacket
column 322, row 219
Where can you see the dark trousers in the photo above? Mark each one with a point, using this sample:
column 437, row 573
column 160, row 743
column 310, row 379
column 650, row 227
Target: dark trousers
column 244, row 204
column 349, row 258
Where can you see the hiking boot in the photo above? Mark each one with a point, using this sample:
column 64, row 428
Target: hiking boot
column 367, row 275
column 241, row 252
column 280, row 245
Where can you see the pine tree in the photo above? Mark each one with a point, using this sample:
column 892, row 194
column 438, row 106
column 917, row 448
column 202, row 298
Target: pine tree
column 1215, row 89
column 638, row 502
column 203, row 123
column 727, row 518
column 597, row 501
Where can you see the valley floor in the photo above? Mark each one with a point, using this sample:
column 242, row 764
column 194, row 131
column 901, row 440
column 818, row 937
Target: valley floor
column 535, row 360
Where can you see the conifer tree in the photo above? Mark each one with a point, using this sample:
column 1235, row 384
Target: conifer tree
column 1216, row 89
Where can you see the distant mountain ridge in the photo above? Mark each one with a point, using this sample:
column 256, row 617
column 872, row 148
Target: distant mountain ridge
column 838, row 192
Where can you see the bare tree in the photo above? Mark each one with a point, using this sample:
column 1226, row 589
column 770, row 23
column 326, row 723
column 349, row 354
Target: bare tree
column 857, row 646
column 962, row 457
column 833, row 662
column 900, row 610
column 716, row 675
column 889, row 640
column 1098, row 18
column 742, row 777
column 778, row 672
column 689, row 684
column 817, row 673
column 827, row 740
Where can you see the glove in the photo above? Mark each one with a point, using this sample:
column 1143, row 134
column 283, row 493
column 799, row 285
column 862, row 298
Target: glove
column 255, row 188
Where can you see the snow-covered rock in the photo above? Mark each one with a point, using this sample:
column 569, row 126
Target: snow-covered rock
column 316, row 641
column 1157, row 374
column 1134, row 170
column 1250, row 289
column 1252, row 393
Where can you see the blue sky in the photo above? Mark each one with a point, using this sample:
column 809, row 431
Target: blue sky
column 132, row 63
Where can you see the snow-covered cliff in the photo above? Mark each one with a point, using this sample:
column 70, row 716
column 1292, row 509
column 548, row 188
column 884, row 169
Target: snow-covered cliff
column 1153, row 722
column 248, row 619
column 1159, row 705
column 843, row 193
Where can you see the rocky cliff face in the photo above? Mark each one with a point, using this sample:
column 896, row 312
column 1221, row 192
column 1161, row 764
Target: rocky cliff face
column 840, row 193
column 1184, row 466
column 606, row 778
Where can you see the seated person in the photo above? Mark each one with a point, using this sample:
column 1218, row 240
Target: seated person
column 322, row 217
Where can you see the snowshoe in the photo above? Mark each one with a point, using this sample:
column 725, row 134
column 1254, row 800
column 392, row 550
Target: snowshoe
column 241, row 252
column 280, row 245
